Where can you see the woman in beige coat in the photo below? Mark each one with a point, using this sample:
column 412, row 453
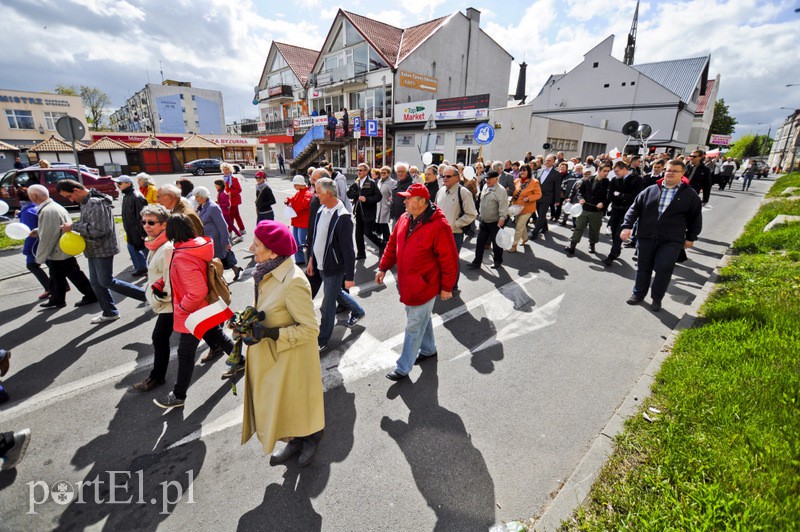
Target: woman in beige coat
column 283, row 380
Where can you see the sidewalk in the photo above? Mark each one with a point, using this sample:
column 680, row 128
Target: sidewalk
column 12, row 263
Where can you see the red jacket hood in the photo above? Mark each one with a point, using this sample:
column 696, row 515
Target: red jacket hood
column 200, row 249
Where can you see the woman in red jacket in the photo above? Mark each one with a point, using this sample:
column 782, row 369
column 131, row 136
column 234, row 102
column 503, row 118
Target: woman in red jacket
column 234, row 190
column 301, row 203
column 188, row 271
column 224, row 202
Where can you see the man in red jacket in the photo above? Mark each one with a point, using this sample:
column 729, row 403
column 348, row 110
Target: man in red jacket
column 424, row 250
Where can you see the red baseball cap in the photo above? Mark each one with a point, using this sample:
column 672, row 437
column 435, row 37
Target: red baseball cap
column 417, row 189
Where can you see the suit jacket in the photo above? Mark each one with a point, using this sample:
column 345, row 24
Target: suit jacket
column 700, row 179
column 681, row 220
column 367, row 209
column 551, row 188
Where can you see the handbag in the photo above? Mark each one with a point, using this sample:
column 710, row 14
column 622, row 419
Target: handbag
column 289, row 212
column 230, row 260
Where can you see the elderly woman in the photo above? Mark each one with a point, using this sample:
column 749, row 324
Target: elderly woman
column 385, row 183
column 147, row 187
column 224, row 202
column 526, row 192
column 188, row 279
column 234, row 189
column 301, row 204
column 214, row 226
column 283, row 380
column 158, row 292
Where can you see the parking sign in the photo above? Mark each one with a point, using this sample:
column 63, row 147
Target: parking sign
column 357, row 123
column 372, row 128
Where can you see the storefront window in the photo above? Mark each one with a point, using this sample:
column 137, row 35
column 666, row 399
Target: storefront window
column 18, row 119
column 50, row 119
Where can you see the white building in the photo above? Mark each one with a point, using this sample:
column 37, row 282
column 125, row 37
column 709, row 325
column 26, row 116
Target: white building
column 784, row 147
column 703, row 116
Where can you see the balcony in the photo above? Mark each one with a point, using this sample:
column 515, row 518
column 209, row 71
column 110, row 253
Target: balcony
column 277, row 92
column 345, row 75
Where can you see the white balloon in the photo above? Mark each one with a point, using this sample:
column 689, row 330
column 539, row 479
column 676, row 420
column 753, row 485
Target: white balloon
column 576, row 210
column 17, row 231
column 427, row 158
column 469, row 172
column 3, row 207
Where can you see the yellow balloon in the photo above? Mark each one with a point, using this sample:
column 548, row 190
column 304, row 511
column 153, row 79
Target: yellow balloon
column 72, row 243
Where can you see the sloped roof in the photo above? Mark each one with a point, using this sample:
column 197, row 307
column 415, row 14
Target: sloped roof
column 197, row 141
column 54, row 145
column 147, row 144
column 416, row 35
column 106, row 143
column 384, row 38
column 679, row 76
column 300, row 60
column 7, row 147
column 702, row 102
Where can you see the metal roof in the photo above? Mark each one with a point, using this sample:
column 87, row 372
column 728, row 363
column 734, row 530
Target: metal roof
column 679, row 76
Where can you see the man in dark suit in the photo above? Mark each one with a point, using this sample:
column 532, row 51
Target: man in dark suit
column 365, row 196
column 622, row 190
column 550, row 183
column 699, row 175
column 670, row 220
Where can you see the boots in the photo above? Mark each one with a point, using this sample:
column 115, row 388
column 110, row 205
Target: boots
column 571, row 248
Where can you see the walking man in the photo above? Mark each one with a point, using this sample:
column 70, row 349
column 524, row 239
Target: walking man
column 492, row 214
column 622, row 190
column 96, row 225
column 592, row 195
column 458, row 206
column 132, row 204
column 424, row 251
column 365, row 196
column 670, row 220
column 332, row 257
column 550, row 183
column 281, row 163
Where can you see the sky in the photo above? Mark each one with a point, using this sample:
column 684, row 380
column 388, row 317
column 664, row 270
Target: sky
column 120, row 45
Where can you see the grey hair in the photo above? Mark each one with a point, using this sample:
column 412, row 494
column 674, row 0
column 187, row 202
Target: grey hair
column 145, row 177
column 445, row 167
column 399, row 165
column 156, row 210
column 497, row 165
column 170, row 190
column 38, row 190
column 202, row 192
column 327, row 184
column 320, row 172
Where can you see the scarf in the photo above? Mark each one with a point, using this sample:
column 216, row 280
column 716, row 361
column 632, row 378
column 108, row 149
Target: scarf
column 156, row 242
column 263, row 268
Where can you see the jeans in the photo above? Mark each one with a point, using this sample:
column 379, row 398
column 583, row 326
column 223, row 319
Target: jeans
column 103, row 282
column 161, row 335
column 39, row 273
column 746, row 180
column 300, row 237
column 418, row 337
column 332, row 293
column 138, row 257
column 187, row 350
column 60, row 271
column 594, row 220
column 655, row 256
column 487, row 233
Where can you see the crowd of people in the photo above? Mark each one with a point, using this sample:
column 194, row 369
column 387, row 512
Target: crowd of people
column 417, row 223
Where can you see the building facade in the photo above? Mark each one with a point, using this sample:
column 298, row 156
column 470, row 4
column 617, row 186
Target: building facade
column 783, row 155
column 172, row 107
column 30, row 117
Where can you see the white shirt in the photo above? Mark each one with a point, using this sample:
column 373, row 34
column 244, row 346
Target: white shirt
column 323, row 223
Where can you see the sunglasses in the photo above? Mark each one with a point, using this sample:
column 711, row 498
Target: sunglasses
column 150, row 222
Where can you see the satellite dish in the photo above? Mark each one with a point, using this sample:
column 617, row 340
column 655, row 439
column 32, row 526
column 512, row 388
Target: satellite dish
column 630, row 128
column 546, row 146
column 644, row 130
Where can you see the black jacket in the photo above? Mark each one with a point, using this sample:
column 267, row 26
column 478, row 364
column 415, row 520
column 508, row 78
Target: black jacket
column 265, row 200
column 700, row 181
column 594, row 194
column 682, row 219
column 368, row 209
column 339, row 255
column 551, row 188
column 622, row 191
column 398, row 202
column 132, row 204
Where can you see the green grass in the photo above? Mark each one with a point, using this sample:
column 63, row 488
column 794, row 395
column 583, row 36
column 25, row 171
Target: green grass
column 725, row 452
column 782, row 183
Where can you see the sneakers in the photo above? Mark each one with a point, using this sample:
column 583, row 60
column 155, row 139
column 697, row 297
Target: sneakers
column 233, row 370
column 15, row 454
column 146, row 385
column 170, row 401
column 102, row 318
column 353, row 319
column 237, row 240
column 322, row 348
column 212, row 354
column 5, row 360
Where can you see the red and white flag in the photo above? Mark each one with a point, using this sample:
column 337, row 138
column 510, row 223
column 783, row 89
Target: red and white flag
column 201, row 320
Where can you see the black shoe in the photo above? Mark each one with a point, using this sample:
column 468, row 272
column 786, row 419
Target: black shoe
column 86, row 301
column 474, row 265
column 51, row 304
column 634, row 300
column 591, row 248
column 534, row 235
column 310, row 446
column 170, row 401
column 609, row 261
column 570, row 250
column 497, row 265
column 395, row 376
column 422, row 358
column 291, row 449
column 237, row 270
column 361, row 257
column 545, row 230
column 655, row 306
column 139, row 273
column 146, row 385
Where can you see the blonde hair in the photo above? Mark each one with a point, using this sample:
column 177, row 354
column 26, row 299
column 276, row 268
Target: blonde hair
column 225, row 166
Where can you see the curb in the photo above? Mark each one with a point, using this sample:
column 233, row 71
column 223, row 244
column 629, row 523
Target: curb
column 576, row 489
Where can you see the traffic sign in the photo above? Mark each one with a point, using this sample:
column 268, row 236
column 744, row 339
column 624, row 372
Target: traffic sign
column 372, row 128
column 70, row 128
column 356, row 123
column 483, row 134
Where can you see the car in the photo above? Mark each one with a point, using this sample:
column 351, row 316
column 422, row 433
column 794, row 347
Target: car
column 14, row 184
column 84, row 168
column 206, row 166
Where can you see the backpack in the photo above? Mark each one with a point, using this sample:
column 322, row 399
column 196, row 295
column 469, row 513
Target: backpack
column 217, row 287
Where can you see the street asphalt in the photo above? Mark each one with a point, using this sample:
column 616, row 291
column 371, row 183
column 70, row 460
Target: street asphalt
column 534, row 360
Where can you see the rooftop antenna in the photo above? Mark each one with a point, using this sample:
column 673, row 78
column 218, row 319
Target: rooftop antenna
column 630, row 48
column 148, row 74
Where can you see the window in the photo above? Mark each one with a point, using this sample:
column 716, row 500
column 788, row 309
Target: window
column 605, row 85
column 57, row 175
column 595, row 65
column 633, row 83
column 183, row 109
column 181, row 95
column 278, row 63
column 623, row 83
column 194, row 98
column 50, row 119
column 18, row 119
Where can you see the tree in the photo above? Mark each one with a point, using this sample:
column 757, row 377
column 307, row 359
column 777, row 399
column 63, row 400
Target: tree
column 722, row 123
column 94, row 101
column 750, row 146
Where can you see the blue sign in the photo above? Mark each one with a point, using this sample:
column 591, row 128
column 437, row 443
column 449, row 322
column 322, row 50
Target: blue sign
column 372, row 128
column 357, row 123
column 483, row 134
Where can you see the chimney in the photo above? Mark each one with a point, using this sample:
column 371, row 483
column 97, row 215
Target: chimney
column 520, row 94
column 474, row 15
